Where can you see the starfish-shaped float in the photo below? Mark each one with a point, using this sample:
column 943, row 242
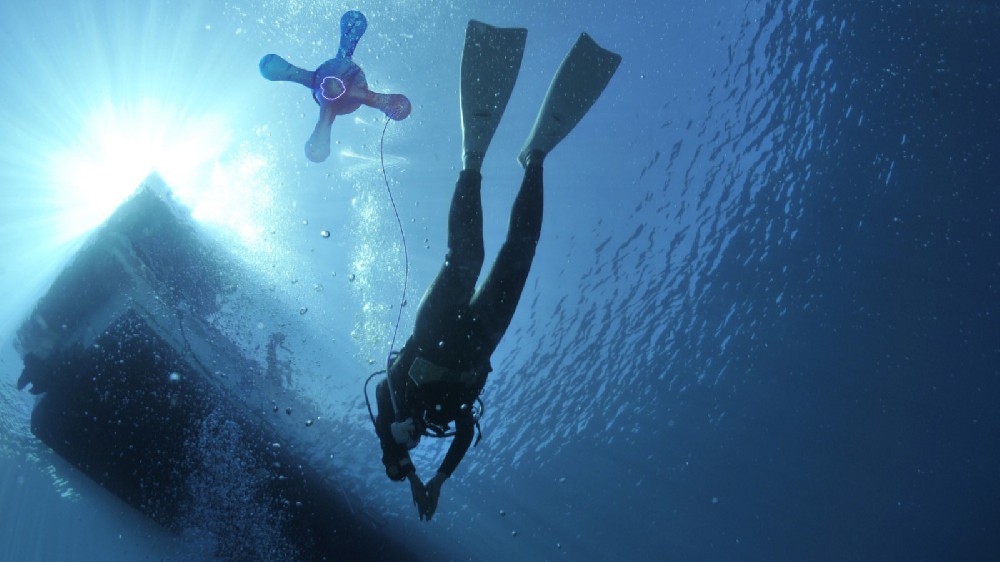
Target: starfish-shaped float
column 338, row 86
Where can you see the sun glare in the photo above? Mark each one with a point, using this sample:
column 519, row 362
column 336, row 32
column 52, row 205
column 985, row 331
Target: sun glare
column 237, row 193
column 110, row 93
column 118, row 147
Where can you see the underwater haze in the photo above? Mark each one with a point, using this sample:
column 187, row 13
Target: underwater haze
column 762, row 322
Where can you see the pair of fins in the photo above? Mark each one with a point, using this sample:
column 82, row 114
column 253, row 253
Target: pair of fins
column 491, row 61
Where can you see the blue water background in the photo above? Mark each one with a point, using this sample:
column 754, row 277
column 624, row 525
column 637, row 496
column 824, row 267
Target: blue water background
column 762, row 321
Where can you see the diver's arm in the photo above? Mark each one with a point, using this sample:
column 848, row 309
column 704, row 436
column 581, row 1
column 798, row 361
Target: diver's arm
column 420, row 497
column 465, row 427
column 432, row 492
column 394, row 456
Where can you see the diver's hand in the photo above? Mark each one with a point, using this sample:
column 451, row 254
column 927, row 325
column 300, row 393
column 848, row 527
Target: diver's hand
column 433, row 493
column 405, row 433
column 402, row 432
column 419, row 494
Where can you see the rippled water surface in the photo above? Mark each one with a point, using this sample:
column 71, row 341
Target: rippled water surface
column 762, row 320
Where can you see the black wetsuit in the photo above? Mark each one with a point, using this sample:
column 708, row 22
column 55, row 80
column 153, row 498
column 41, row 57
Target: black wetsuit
column 458, row 327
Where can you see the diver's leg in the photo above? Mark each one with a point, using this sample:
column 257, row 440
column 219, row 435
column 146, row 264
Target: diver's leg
column 491, row 60
column 495, row 301
column 456, row 281
column 578, row 83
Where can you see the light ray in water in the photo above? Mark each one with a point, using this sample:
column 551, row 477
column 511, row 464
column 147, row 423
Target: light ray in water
column 372, row 159
column 102, row 103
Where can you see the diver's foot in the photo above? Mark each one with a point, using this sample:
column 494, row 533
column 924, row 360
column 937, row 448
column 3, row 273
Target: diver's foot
column 578, row 83
column 472, row 160
column 531, row 157
column 491, row 60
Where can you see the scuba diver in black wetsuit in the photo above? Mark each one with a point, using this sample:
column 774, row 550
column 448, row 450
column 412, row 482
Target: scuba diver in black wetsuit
column 436, row 378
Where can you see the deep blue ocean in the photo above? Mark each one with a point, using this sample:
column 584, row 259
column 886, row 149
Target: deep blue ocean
column 762, row 322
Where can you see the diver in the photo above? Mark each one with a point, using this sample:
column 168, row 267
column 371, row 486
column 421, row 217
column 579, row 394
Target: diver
column 436, row 378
